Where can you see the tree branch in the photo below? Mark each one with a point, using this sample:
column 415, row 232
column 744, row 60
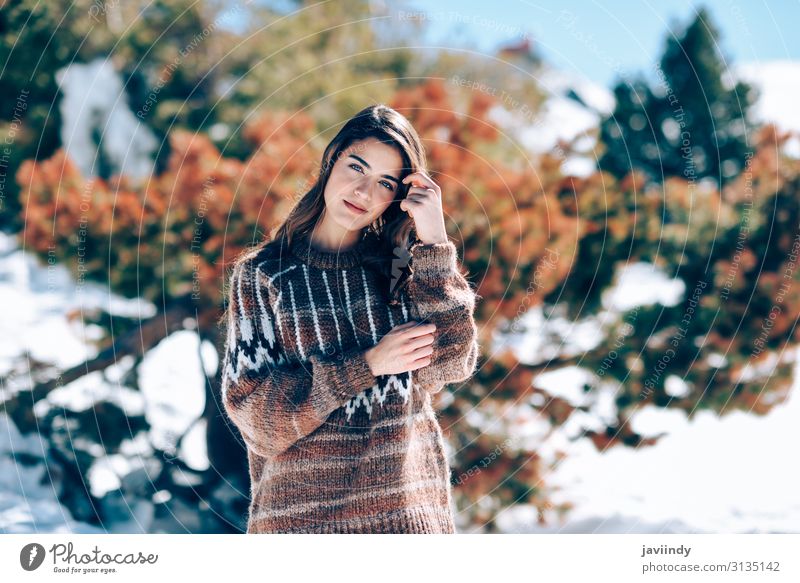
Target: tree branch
column 137, row 341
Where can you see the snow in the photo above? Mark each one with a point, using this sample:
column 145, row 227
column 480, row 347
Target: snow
column 36, row 302
column 575, row 105
column 173, row 391
column 27, row 504
column 573, row 108
column 714, row 473
column 36, row 298
column 94, row 99
column 779, row 83
column 710, row 474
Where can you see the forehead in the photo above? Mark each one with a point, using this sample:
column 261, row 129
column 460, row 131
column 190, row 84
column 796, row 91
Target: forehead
column 379, row 155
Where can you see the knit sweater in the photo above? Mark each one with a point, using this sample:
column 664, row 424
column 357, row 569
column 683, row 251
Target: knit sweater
column 331, row 447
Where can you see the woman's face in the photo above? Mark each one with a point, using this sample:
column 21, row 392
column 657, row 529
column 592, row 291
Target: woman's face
column 363, row 183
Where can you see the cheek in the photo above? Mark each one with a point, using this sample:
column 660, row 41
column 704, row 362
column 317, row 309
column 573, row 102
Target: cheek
column 335, row 180
column 335, row 185
column 384, row 203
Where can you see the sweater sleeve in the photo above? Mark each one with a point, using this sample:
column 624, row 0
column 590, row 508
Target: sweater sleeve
column 272, row 402
column 441, row 295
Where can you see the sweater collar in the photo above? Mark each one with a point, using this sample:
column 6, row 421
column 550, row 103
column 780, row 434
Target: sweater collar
column 303, row 249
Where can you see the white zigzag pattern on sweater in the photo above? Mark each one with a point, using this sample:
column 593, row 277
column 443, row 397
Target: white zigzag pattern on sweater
column 378, row 394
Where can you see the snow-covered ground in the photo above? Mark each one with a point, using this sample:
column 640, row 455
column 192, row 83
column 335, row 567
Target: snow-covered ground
column 27, row 502
column 726, row 473
column 712, row 474
column 36, row 300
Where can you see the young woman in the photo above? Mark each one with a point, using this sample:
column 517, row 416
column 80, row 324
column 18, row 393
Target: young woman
column 340, row 329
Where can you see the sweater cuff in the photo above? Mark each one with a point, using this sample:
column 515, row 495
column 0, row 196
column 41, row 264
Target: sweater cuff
column 357, row 370
column 432, row 261
column 349, row 373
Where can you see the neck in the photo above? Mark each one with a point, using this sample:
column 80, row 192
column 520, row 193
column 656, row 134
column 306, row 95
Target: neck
column 334, row 240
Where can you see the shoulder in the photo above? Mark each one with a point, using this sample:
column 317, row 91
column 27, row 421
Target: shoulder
column 255, row 260
column 271, row 261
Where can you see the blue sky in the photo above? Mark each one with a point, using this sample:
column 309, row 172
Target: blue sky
column 600, row 39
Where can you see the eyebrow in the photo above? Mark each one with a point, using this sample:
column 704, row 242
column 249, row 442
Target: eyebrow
column 365, row 163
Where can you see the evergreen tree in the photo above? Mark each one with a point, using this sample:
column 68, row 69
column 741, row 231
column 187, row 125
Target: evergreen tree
column 690, row 123
column 629, row 132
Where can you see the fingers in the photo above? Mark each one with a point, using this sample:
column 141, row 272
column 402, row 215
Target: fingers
column 420, row 341
column 422, row 351
column 424, row 360
column 419, row 330
column 420, row 179
column 418, row 193
column 408, row 203
column 414, row 343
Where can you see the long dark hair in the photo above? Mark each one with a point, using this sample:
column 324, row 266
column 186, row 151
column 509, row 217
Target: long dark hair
column 393, row 232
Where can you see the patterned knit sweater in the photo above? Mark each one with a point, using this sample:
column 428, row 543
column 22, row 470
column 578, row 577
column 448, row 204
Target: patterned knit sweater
column 331, row 447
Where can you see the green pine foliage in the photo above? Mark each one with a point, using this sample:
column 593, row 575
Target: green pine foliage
column 689, row 122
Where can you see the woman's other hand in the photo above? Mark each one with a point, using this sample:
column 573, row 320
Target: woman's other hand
column 405, row 347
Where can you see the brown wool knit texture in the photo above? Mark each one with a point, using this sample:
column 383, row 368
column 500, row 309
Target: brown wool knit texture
column 331, row 447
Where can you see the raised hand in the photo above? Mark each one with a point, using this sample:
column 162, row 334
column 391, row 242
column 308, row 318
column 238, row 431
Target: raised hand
column 423, row 203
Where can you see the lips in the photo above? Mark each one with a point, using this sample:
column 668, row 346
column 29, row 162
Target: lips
column 354, row 208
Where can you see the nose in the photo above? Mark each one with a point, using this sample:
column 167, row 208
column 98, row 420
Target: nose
column 360, row 190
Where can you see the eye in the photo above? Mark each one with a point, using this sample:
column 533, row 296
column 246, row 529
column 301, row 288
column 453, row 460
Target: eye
column 358, row 168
